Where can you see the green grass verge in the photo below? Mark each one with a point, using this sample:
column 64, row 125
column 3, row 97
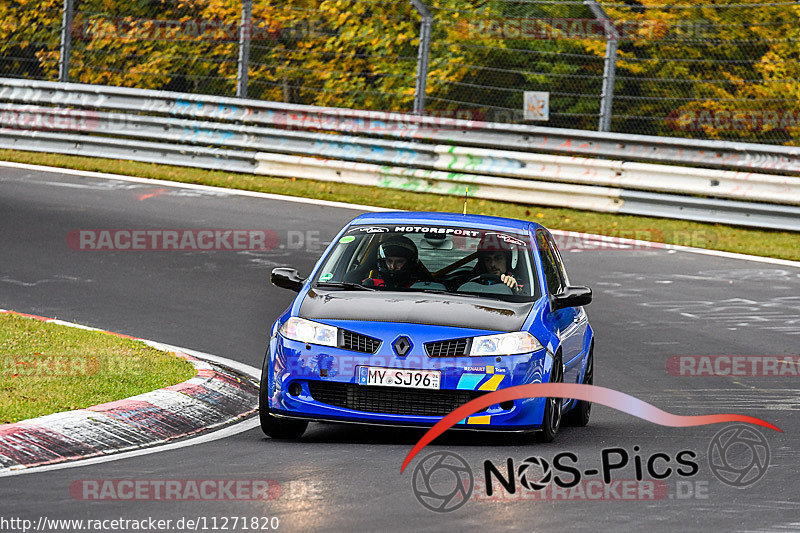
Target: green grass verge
column 48, row 368
column 783, row 245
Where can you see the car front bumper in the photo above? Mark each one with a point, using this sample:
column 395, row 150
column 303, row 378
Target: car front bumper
column 319, row 383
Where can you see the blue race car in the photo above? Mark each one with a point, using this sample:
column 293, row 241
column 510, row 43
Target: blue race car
column 407, row 316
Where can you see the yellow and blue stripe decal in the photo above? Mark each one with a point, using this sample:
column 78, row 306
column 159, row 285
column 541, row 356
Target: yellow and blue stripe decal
column 483, row 382
column 469, row 381
column 492, row 383
column 487, row 382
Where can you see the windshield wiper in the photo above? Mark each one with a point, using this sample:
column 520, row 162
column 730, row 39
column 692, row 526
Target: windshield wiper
column 435, row 291
column 344, row 285
column 491, row 296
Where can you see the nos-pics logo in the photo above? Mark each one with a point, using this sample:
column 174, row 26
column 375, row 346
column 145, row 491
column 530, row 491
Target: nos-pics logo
column 738, row 456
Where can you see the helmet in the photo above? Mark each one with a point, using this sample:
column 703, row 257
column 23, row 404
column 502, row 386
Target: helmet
column 496, row 242
column 397, row 246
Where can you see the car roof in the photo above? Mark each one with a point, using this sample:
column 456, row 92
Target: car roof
column 444, row 219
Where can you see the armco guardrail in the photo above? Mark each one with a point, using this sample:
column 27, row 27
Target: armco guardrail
column 671, row 150
column 435, row 181
column 267, row 138
column 628, row 175
column 624, row 174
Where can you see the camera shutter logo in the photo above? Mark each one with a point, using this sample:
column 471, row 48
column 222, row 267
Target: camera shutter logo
column 527, row 476
column 738, row 455
column 442, row 482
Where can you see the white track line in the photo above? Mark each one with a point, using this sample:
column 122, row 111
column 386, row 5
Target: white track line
column 616, row 241
column 344, row 205
column 234, row 365
column 194, row 186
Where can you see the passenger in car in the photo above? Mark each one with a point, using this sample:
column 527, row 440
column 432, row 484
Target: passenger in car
column 495, row 257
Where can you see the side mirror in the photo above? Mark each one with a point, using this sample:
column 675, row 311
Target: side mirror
column 571, row 297
column 286, row 278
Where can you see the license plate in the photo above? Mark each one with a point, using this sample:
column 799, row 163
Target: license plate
column 397, row 377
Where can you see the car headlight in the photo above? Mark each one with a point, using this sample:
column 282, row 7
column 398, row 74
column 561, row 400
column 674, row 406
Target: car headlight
column 505, row 344
column 300, row 329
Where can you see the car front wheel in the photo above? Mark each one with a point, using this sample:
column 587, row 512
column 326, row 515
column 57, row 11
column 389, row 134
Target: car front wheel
column 273, row 427
column 579, row 415
column 552, row 407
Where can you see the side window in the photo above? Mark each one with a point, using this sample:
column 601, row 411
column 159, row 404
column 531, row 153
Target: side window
column 550, row 266
column 358, row 257
column 349, row 260
column 559, row 260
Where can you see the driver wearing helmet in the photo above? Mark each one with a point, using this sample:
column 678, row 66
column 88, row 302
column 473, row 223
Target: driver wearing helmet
column 495, row 257
column 398, row 264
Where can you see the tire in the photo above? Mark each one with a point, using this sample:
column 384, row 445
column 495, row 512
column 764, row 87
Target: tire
column 551, row 422
column 579, row 415
column 273, row 427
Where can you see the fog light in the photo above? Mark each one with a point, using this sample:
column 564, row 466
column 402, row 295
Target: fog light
column 295, row 389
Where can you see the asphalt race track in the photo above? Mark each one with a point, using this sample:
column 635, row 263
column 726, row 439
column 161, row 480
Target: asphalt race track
column 649, row 305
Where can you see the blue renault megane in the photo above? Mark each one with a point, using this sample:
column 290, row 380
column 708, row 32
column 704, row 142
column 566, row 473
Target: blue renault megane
column 407, row 316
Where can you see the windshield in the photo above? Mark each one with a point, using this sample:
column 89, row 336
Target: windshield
column 470, row 261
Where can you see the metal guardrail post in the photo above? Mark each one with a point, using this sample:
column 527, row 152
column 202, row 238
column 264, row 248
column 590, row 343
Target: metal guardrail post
column 609, row 65
column 245, row 32
column 422, row 57
column 66, row 42
column 607, row 96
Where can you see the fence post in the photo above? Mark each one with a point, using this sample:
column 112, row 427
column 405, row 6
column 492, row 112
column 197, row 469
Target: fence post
column 66, row 42
column 245, row 31
column 609, row 65
column 422, row 57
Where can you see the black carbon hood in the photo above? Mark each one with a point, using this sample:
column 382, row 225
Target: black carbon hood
column 416, row 308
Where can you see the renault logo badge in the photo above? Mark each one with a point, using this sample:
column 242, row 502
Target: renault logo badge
column 402, row 346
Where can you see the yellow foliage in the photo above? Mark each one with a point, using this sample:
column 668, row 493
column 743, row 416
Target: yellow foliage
column 362, row 54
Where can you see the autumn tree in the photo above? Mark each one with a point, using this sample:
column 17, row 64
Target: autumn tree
column 675, row 59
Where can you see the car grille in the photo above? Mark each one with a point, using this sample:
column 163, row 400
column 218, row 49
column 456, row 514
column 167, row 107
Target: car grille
column 358, row 342
column 390, row 400
column 449, row 348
